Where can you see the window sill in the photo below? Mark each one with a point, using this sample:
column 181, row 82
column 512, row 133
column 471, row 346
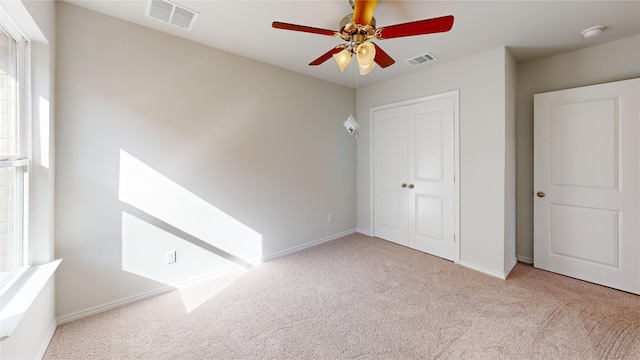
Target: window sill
column 9, row 278
column 28, row 287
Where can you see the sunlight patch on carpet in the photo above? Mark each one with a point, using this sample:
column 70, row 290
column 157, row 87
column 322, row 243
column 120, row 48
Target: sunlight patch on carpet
column 193, row 296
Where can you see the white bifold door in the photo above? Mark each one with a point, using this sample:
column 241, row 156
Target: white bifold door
column 586, row 183
column 413, row 175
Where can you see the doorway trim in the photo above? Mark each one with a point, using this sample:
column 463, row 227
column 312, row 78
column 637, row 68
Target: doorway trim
column 455, row 94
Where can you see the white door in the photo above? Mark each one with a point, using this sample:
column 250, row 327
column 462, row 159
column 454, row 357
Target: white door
column 390, row 199
column 431, row 172
column 414, row 193
column 586, row 183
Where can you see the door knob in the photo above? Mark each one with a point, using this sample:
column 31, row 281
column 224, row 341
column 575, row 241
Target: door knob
column 540, row 194
column 403, row 185
column 411, row 186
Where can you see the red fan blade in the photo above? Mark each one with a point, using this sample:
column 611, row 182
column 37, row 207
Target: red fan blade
column 363, row 11
column 326, row 56
column 308, row 29
column 382, row 58
column 420, row 27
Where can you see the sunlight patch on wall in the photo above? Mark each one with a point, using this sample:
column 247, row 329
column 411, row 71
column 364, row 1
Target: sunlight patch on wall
column 144, row 247
column 146, row 189
column 161, row 217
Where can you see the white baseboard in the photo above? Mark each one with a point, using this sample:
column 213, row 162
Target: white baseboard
column 47, row 340
column 113, row 305
column 364, row 232
column 307, row 245
column 525, row 260
column 132, row 299
column 483, row 270
column 511, row 266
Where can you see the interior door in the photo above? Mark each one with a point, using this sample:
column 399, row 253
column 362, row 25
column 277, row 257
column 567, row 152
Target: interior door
column 430, row 172
column 413, row 175
column 586, row 208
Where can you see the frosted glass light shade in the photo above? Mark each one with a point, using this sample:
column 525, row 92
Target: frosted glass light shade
column 365, row 69
column 366, row 52
column 342, row 58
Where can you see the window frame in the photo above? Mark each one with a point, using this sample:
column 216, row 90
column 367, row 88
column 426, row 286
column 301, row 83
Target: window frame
column 21, row 160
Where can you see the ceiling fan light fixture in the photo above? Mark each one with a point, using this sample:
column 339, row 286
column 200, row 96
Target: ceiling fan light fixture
column 342, row 59
column 365, row 69
column 365, row 53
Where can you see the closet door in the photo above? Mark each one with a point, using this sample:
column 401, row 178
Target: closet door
column 390, row 175
column 430, row 172
column 413, row 175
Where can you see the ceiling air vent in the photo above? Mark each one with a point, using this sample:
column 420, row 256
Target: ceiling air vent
column 171, row 13
column 422, row 59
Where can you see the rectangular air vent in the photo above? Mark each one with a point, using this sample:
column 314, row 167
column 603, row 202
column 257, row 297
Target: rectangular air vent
column 422, row 59
column 171, row 13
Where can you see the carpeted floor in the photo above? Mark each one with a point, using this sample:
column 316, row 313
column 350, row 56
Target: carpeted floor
column 365, row 298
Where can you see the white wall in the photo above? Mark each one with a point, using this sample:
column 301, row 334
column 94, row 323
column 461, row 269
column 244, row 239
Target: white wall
column 481, row 80
column 165, row 144
column 617, row 60
column 37, row 18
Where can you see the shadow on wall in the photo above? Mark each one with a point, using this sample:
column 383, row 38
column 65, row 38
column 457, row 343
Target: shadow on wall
column 159, row 217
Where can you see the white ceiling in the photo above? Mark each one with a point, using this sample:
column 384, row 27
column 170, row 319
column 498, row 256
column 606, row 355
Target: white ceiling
column 530, row 29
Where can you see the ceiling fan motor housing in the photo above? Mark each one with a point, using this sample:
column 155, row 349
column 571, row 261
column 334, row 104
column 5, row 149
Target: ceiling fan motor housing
column 348, row 20
column 355, row 34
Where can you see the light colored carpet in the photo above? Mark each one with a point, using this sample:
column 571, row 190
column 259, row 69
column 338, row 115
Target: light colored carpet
column 364, row 298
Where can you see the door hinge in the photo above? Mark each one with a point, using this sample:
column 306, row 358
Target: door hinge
column 454, row 238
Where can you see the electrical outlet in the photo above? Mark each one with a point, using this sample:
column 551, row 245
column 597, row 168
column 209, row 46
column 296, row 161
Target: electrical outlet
column 329, row 218
column 170, row 257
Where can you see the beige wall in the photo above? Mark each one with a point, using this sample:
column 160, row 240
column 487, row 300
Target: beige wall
column 510, row 162
column 617, row 60
column 211, row 150
column 481, row 80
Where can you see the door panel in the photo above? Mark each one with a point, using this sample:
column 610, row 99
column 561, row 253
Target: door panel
column 429, row 215
column 390, row 216
column 587, row 162
column 570, row 225
column 585, row 143
column 428, row 146
column 391, row 146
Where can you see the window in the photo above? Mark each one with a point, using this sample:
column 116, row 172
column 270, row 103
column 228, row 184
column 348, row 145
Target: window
column 14, row 157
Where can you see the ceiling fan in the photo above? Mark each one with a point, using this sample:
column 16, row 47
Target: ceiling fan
column 360, row 27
